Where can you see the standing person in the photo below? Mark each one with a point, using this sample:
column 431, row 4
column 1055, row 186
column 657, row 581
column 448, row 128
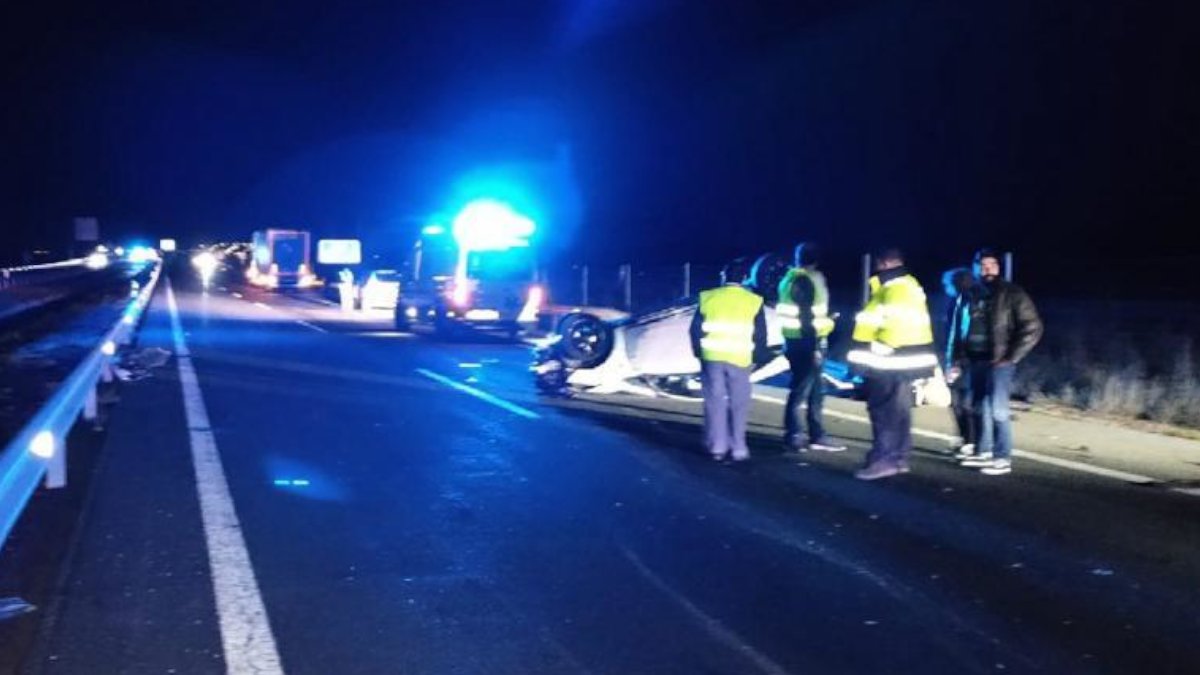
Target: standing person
column 803, row 310
column 957, row 286
column 893, row 338
column 1003, row 327
column 728, row 332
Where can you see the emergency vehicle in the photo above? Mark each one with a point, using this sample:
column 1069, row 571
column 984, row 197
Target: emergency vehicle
column 479, row 272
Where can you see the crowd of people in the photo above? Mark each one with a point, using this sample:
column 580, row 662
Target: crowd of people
column 990, row 325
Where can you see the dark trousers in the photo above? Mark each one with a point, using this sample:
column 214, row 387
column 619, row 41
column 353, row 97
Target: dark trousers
column 889, row 404
column 960, row 405
column 726, row 407
column 806, row 388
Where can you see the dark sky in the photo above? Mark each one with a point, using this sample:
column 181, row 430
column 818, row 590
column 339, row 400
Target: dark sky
column 656, row 130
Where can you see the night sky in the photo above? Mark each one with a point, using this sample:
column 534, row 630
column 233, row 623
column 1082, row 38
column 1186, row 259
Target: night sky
column 652, row 130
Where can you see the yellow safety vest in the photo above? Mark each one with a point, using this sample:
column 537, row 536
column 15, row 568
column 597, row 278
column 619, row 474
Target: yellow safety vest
column 788, row 311
column 727, row 325
column 895, row 328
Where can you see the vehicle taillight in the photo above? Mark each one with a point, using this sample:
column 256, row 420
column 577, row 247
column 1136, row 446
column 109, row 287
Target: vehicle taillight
column 460, row 293
column 533, row 304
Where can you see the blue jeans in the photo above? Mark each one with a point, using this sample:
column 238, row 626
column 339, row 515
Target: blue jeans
column 727, row 399
column 990, row 388
column 806, row 388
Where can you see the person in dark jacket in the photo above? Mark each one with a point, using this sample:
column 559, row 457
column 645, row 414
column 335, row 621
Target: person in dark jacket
column 1003, row 326
column 956, row 283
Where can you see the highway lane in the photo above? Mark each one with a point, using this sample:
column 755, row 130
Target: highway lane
column 398, row 524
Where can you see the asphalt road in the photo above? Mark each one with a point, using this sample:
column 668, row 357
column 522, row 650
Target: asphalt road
column 409, row 506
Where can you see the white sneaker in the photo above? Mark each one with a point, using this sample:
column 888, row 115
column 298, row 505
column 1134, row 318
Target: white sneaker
column 965, row 450
column 998, row 467
column 978, row 460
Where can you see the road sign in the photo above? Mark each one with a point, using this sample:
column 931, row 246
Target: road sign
column 339, row 251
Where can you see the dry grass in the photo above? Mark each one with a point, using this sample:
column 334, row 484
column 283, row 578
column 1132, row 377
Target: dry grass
column 1119, row 360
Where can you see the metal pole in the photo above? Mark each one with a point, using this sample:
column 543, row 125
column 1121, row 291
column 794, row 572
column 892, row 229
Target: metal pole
column 687, row 279
column 1008, row 266
column 628, row 271
column 90, row 406
column 866, row 278
column 584, row 282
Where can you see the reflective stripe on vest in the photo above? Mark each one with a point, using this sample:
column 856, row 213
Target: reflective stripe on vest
column 727, row 325
column 896, row 325
column 790, row 321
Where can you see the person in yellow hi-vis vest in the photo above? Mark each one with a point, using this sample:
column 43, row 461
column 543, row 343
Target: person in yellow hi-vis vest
column 729, row 334
column 803, row 311
column 893, row 345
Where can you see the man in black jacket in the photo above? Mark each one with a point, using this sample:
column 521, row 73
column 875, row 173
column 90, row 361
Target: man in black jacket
column 1002, row 328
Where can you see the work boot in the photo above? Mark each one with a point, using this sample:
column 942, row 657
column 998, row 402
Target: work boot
column 876, row 471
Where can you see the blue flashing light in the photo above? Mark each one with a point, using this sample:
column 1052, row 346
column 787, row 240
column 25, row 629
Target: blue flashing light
column 490, row 225
column 433, row 230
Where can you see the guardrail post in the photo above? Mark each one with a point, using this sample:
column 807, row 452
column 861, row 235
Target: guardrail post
column 91, row 408
column 56, row 468
column 866, row 278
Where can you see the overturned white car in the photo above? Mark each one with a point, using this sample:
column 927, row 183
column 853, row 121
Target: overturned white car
column 606, row 351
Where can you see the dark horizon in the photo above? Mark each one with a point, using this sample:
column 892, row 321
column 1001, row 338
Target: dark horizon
column 1066, row 133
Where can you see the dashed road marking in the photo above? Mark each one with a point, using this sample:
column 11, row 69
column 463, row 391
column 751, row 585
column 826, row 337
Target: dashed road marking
column 246, row 638
column 481, row 395
column 313, row 326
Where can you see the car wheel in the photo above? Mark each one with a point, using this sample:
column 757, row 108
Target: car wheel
column 586, row 339
column 401, row 319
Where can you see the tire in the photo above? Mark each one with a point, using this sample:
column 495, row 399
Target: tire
column 401, row 321
column 586, row 339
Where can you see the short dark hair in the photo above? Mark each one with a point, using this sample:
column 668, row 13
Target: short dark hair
column 736, row 271
column 987, row 252
column 889, row 254
column 806, row 253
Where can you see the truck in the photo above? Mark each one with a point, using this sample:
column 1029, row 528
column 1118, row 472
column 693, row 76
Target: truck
column 480, row 274
column 281, row 259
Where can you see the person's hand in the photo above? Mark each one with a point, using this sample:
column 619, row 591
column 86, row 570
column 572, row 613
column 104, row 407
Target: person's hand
column 953, row 374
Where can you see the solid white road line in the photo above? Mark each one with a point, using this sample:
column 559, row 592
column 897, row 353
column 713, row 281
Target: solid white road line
column 481, row 395
column 246, row 636
column 1024, row 454
column 263, row 305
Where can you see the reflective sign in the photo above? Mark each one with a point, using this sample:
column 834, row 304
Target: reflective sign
column 339, row 251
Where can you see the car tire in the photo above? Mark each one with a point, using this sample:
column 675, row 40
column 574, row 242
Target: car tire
column 586, row 339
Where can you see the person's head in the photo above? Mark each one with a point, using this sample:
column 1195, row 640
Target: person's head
column 736, row 271
column 987, row 265
column 956, row 281
column 805, row 255
column 888, row 257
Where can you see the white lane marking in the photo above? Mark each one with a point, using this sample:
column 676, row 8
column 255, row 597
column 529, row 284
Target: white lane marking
column 236, row 295
column 313, row 326
column 481, row 395
column 263, row 305
column 383, row 334
column 711, row 625
column 1025, row 454
column 246, row 636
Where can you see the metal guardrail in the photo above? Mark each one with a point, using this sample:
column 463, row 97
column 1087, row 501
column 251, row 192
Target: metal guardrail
column 24, row 274
column 40, row 448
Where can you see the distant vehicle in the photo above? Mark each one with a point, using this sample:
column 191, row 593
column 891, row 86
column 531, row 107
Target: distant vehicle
column 481, row 274
column 281, row 259
column 381, row 290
